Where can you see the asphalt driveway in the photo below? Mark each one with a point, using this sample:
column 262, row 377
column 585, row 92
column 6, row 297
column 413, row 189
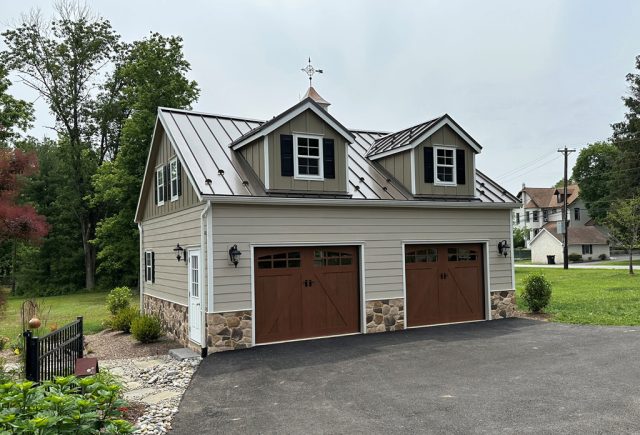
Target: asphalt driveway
column 506, row 376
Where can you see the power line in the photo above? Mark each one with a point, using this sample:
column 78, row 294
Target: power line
column 511, row 177
column 523, row 166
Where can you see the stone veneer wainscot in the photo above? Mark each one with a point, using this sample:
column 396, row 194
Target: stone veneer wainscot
column 385, row 315
column 174, row 317
column 503, row 304
column 229, row 331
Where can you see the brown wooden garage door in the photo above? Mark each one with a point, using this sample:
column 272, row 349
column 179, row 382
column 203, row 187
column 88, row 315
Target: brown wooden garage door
column 445, row 283
column 303, row 292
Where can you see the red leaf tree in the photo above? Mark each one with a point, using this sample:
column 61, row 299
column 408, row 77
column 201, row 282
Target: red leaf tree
column 18, row 221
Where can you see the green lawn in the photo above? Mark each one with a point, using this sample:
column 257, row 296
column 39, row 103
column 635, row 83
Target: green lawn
column 623, row 262
column 91, row 306
column 590, row 296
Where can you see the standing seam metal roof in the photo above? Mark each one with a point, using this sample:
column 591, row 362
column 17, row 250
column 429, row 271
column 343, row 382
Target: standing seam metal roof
column 203, row 142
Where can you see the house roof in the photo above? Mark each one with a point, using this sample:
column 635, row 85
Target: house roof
column 590, row 235
column 411, row 137
column 306, row 104
column 315, row 96
column 202, row 142
column 545, row 197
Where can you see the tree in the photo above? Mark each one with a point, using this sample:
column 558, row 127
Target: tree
column 63, row 60
column 519, row 238
column 560, row 183
column 623, row 221
column 14, row 113
column 626, row 134
column 593, row 172
column 153, row 73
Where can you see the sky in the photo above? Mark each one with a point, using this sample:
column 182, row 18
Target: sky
column 522, row 78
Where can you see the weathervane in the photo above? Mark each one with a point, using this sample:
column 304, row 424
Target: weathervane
column 310, row 70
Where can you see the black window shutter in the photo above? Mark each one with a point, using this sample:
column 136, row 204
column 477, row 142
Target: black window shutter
column 146, row 275
column 428, row 164
column 286, row 155
column 179, row 171
column 153, row 267
column 461, row 171
column 328, row 157
column 155, row 186
column 167, row 181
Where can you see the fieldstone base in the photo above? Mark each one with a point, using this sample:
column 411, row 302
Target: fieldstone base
column 174, row 317
column 229, row 331
column 385, row 315
column 503, row 304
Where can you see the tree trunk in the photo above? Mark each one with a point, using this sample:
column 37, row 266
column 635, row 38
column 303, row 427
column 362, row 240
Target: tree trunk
column 89, row 253
column 631, row 261
column 13, row 266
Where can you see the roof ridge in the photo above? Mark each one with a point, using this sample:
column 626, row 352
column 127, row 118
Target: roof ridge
column 213, row 115
column 411, row 127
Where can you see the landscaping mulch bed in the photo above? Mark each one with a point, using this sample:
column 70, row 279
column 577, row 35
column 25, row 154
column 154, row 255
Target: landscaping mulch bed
column 118, row 345
column 543, row 317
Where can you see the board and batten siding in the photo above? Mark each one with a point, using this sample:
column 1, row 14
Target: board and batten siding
column 399, row 165
column 254, row 155
column 382, row 230
column 161, row 155
column 307, row 122
column 161, row 235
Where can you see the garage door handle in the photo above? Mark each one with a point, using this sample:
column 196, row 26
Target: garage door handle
column 308, row 283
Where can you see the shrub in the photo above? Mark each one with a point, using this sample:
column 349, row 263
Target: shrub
column 67, row 405
column 537, row 292
column 122, row 320
column 602, row 257
column 118, row 299
column 4, row 342
column 146, row 328
column 575, row 257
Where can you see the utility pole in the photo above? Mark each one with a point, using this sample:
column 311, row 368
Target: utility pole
column 565, row 245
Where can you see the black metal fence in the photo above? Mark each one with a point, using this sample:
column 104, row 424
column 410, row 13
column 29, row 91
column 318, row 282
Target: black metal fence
column 54, row 354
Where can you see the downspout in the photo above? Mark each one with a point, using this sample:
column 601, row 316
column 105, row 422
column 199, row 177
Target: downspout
column 141, row 271
column 204, row 247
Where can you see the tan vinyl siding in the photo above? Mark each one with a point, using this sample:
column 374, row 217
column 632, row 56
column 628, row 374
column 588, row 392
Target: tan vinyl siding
column 161, row 235
column 381, row 230
column 399, row 165
column 161, row 155
column 307, row 122
column 254, row 155
column 445, row 136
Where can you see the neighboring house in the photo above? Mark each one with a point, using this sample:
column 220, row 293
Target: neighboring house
column 588, row 241
column 541, row 209
column 299, row 227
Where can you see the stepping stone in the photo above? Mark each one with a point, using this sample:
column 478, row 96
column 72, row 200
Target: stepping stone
column 159, row 397
column 145, row 364
column 136, row 393
column 182, row 354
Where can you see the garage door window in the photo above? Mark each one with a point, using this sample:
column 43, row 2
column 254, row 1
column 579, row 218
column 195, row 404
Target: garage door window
column 279, row 261
column 462, row 254
column 428, row 255
column 323, row 257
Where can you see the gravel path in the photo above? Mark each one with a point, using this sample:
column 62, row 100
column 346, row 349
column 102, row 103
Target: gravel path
column 158, row 382
column 107, row 345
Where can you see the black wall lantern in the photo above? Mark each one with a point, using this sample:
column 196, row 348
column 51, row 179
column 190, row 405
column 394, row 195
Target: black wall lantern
column 180, row 254
column 234, row 255
column 503, row 248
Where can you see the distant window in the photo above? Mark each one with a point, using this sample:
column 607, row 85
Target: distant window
column 545, row 215
column 308, row 157
column 173, row 176
column 527, row 216
column 444, row 167
column 560, row 198
column 587, row 249
column 535, row 216
column 535, row 232
column 517, row 218
column 576, row 213
column 160, row 185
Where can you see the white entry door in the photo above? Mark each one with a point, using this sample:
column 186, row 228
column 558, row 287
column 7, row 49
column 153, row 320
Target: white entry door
column 195, row 318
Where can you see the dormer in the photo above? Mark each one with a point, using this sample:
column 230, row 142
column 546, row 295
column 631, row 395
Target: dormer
column 434, row 159
column 302, row 150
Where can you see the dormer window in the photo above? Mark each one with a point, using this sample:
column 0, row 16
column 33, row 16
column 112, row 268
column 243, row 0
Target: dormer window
column 308, row 157
column 444, row 169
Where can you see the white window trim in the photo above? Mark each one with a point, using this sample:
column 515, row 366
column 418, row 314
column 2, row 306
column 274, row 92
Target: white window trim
column 174, row 195
column 160, row 169
column 148, row 269
column 435, row 166
column 296, row 174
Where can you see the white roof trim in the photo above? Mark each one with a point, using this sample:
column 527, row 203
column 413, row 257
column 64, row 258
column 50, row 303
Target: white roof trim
column 446, row 120
column 544, row 230
column 288, row 117
column 350, row 202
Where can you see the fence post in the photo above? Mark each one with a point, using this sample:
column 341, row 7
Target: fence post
column 81, row 340
column 32, row 359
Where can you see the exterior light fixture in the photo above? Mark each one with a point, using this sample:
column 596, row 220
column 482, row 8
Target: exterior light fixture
column 179, row 250
column 234, row 255
column 503, row 248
